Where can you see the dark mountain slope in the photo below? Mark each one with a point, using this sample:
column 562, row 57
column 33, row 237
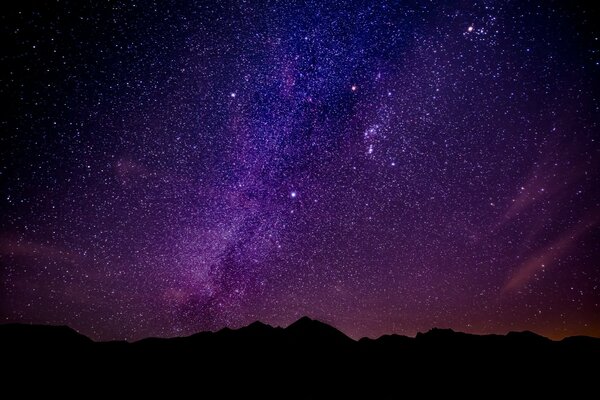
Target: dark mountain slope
column 308, row 359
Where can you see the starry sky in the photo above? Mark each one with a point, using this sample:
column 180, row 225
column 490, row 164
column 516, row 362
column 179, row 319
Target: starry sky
column 168, row 167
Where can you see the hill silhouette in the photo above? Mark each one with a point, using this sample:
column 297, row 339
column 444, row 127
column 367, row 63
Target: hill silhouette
column 308, row 359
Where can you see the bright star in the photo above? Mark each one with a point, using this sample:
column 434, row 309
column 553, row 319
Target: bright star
column 293, row 194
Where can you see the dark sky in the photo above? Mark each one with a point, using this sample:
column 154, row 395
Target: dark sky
column 170, row 167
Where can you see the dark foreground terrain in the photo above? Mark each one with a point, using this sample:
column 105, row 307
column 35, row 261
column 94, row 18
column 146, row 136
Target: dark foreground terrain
column 308, row 359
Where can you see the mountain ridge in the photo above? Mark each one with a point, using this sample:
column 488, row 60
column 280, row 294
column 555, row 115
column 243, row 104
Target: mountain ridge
column 303, row 324
column 308, row 359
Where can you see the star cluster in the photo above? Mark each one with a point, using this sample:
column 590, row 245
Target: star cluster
column 169, row 167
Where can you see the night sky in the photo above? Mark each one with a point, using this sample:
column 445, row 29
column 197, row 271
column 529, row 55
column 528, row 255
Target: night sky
column 171, row 167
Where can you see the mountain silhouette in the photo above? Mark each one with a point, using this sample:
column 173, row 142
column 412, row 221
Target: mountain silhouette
column 308, row 359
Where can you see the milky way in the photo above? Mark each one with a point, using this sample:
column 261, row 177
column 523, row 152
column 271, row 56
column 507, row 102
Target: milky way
column 170, row 167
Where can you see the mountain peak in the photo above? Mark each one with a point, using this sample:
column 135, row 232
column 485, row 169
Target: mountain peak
column 527, row 335
column 309, row 323
column 257, row 327
column 303, row 321
column 312, row 328
column 442, row 335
